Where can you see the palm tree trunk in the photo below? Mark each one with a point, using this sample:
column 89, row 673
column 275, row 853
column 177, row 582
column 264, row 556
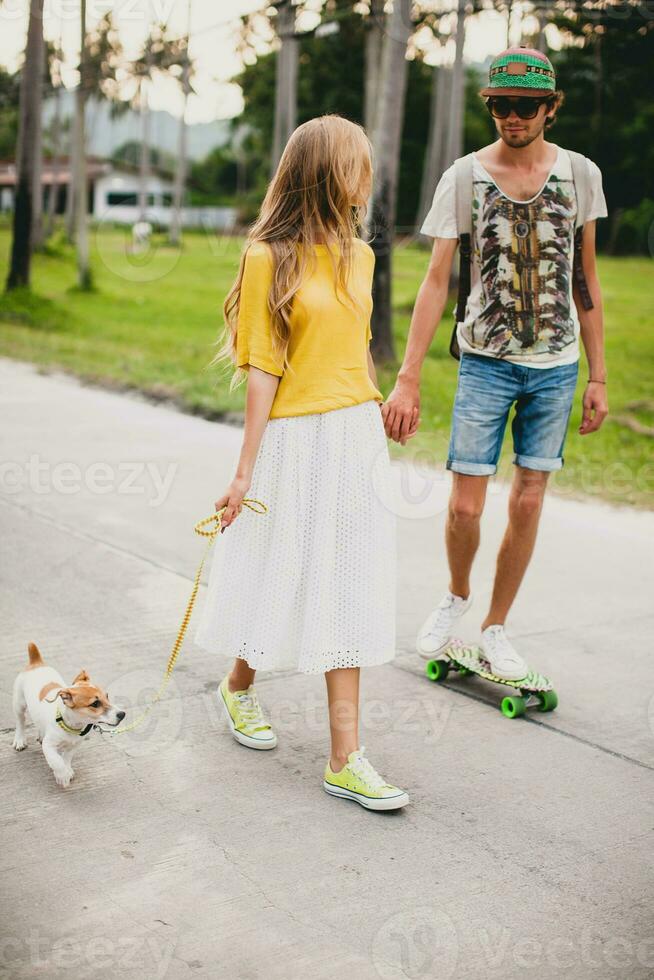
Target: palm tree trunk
column 144, row 155
column 81, row 189
column 373, row 55
column 53, row 195
column 180, row 178
column 286, row 79
column 70, row 191
column 455, row 133
column 37, row 195
column 180, row 170
column 27, row 150
column 387, row 142
column 541, row 17
column 435, row 153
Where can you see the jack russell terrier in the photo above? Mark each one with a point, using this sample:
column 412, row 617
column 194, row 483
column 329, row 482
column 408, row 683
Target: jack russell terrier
column 60, row 729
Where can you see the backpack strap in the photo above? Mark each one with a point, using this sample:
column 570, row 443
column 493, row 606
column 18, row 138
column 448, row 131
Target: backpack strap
column 581, row 181
column 463, row 193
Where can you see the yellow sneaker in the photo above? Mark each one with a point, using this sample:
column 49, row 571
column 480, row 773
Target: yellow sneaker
column 245, row 717
column 359, row 781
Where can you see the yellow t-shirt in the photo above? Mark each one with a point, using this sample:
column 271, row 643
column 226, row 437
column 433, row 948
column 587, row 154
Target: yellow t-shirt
column 328, row 346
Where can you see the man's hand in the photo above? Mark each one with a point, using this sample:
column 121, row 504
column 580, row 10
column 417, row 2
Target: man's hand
column 401, row 412
column 232, row 500
column 596, row 407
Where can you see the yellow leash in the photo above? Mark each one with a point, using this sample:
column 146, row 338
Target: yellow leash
column 208, row 528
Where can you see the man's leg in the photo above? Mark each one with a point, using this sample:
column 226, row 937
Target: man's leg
column 466, row 506
column 485, row 392
column 539, row 430
column 525, row 505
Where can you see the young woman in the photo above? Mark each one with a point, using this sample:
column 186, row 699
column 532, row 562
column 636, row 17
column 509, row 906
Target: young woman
column 310, row 584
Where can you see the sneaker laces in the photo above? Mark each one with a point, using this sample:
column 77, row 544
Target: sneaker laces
column 440, row 613
column 491, row 639
column 496, row 640
column 251, row 711
column 362, row 768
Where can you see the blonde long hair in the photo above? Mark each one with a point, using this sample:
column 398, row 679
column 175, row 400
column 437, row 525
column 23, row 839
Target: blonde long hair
column 321, row 170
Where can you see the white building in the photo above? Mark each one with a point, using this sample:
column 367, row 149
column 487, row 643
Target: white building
column 114, row 196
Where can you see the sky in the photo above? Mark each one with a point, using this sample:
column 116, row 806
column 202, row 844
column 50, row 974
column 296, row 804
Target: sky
column 214, row 26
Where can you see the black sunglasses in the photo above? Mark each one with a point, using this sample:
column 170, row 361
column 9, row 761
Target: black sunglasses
column 525, row 106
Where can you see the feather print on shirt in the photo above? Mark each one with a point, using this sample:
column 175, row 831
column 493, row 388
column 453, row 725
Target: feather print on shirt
column 525, row 255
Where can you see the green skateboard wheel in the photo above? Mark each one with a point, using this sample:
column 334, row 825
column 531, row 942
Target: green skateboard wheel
column 437, row 670
column 513, row 707
column 548, row 700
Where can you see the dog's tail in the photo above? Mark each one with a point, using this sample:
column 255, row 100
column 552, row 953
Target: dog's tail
column 36, row 660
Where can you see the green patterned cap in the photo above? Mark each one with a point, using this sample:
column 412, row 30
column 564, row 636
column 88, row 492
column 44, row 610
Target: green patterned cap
column 524, row 70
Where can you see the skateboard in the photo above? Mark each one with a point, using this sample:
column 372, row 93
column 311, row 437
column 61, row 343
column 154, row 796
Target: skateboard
column 532, row 691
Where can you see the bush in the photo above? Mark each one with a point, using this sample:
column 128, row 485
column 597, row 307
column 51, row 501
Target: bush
column 634, row 232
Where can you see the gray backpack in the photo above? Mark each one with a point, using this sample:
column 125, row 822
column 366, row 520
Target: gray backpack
column 463, row 177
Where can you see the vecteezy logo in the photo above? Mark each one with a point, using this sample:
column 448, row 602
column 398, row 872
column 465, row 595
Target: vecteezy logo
column 416, row 943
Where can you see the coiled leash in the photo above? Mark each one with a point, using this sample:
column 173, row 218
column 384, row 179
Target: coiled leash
column 208, row 528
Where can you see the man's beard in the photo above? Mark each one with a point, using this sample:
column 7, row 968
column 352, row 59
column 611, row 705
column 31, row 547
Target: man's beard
column 520, row 139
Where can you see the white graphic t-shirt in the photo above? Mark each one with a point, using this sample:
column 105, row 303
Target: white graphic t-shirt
column 520, row 306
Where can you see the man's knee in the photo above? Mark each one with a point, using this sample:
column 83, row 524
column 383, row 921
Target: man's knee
column 526, row 499
column 464, row 509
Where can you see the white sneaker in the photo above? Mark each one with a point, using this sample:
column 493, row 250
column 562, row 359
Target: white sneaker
column 504, row 660
column 436, row 631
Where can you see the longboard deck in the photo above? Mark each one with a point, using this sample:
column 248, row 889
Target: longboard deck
column 534, row 690
column 472, row 658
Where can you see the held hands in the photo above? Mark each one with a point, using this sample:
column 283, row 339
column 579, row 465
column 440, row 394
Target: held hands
column 595, row 407
column 401, row 412
column 232, row 500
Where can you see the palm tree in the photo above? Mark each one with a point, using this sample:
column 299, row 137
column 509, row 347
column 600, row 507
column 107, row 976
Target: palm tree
column 54, row 133
column 386, row 142
column 454, row 145
column 286, row 78
column 158, row 55
column 28, row 149
column 37, row 176
column 435, row 152
column 80, row 189
column 102, row 60
column 180, row 170
column 144, row 109
column 375, row 25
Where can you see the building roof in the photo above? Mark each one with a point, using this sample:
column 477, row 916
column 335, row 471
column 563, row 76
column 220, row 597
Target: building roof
column 60, row 172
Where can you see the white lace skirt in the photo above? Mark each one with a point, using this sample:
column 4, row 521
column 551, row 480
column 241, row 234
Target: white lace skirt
column 310, row 585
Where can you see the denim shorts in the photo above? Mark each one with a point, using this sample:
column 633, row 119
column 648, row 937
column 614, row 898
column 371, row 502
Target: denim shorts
column 488, row 387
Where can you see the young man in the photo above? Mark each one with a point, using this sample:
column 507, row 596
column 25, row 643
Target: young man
column 518, row 336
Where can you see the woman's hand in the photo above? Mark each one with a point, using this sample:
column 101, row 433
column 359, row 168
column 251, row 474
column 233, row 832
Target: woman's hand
column 401, row 412
column 232, row 501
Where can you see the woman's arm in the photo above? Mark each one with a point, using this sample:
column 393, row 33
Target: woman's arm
column 401, row 409
column 372, row 370
column 261, row 390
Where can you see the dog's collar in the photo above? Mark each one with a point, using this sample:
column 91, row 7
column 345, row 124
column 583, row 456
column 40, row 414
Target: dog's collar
column 72, row 731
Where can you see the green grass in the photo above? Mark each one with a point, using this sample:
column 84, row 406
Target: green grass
column 151, row 324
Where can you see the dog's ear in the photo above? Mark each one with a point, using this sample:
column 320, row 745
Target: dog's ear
column 82, row 678
column 56, row 692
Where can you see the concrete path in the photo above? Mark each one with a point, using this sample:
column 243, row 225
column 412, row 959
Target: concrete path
column 176, row 853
